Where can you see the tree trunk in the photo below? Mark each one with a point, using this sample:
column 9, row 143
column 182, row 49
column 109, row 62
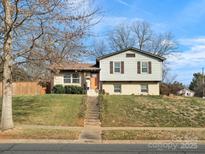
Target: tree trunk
column 6, row 118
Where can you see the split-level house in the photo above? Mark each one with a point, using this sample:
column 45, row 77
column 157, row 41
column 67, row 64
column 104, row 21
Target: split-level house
column 125, row 72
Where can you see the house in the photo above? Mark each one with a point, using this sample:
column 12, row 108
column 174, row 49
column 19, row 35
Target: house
column 186, row 92
column 126, row 72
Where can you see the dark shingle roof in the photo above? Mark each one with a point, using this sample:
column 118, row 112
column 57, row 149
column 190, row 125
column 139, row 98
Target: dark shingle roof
column 132, row 49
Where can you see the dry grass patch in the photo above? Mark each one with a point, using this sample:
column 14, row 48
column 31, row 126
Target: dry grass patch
column 39, row 134
column 153, row 135
column 152, row 111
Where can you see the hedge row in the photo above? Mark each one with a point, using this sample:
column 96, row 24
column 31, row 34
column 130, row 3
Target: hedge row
column 60, row 89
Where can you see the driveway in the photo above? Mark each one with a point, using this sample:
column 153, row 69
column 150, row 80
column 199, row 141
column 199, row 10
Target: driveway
column 94, row 149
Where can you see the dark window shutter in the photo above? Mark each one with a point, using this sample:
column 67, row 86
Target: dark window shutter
column 111, row 67
column 150, row 67
column 138, row 67
column 122, row 67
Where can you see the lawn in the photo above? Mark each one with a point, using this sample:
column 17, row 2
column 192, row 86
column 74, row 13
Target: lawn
column 152, row 111
column 57, row 110
column 153, row 135
column 40, row 134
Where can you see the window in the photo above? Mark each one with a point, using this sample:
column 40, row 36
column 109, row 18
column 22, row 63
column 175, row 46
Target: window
column 130, row 55
column 75, row 78
column 144, row 67
column 117, row 88
column 144, row 88
column 67, row 78
column 117, row 67
column 72, row 78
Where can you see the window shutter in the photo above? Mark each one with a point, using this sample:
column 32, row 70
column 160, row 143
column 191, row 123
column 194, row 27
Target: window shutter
column 122, row 67
column 111, row 67
column 150, row 67
column 138, row 67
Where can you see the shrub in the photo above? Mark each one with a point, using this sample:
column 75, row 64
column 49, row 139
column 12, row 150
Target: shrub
column 58, row 89
column 74, row 90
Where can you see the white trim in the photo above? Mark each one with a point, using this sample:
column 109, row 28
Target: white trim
column 71, row 78
column 117, row 68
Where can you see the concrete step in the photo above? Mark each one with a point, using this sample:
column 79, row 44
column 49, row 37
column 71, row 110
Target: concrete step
column 92, row 92
column 91, row 116
column 93, row 113
column 96, row 121
column 93, row 123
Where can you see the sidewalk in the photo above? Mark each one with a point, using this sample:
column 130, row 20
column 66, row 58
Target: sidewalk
column 112, row 128
column 53, row 141
column 50, row 127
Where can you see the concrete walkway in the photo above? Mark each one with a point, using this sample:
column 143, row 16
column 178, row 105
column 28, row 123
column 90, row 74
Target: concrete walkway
column 113, row 128
column 92, row 125
column 49, row 127
column 155, row 128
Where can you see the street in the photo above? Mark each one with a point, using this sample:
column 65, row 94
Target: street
column 97, row 149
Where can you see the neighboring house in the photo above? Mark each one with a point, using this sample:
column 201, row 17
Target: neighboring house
column 186, row 92
column 125, row 72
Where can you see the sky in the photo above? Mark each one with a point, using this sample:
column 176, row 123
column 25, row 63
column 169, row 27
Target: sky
column 184, row 18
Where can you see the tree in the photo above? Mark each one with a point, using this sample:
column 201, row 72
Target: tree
column 197, row 84
column 99, row 48
column 40, row 32
column 171, row 88
column 121, row 38
column 142, row 32
column 139, row 34
column 162, row 44
column 18, row 74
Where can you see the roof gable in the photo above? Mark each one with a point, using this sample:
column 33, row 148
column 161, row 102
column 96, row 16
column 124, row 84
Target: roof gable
column 132, row 49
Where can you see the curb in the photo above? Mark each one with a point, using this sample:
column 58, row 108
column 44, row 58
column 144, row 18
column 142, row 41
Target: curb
column 53, row 141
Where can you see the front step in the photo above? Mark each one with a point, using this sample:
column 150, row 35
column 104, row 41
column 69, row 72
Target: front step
column 92, row 92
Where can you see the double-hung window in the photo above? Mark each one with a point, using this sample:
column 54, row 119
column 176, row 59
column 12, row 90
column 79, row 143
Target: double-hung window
column 72, row 78
column 144, row 88
column 67, row 78
column 144, row 67
column 75, row 78
column 117, row 88
column 117, row 67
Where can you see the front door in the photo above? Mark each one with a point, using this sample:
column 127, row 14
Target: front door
column 94, row 81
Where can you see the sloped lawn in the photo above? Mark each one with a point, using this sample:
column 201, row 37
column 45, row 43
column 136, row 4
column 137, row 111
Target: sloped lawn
column 152, row 111
column 57, row 110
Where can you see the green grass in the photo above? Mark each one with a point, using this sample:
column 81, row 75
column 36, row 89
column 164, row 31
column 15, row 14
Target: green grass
column 152, row 135
column 152, row 111
column 59, row 110
column 39, row 134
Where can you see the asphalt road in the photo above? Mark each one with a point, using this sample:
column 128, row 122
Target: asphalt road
column 99, row 149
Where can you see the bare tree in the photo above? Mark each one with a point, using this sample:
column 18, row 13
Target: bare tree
column 99, row 48
column 121, row 38
column 142, row 33
column 39, row 31
column 162, row 44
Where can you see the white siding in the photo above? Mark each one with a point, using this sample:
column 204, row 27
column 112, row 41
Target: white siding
column 129, row 88
column 59, row 79
column 130, row 68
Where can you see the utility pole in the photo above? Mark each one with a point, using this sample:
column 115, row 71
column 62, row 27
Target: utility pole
column 203, row 94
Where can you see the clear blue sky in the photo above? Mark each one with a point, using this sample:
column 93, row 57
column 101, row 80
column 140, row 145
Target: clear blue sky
column 184, row 18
